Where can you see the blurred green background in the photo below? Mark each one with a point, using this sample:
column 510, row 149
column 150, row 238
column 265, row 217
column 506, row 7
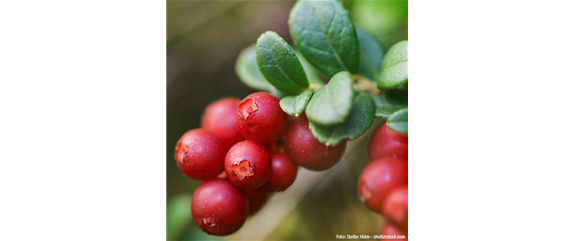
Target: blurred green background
column 204, row 39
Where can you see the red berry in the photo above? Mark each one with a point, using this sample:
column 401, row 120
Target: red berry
column 257, row 198
column 219, row 118
column 388, row 143
column 394, row 232
column 199, row 154
column 306, row 151
column 379, row 178
column 283, row 172
column 277, row 146
column 261, row 119
column 247, row 164
column 218, row 208
column 396, row 207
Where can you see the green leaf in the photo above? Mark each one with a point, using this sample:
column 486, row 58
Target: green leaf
column 390, row 101
column 399, row 121
column 279, row 64
column 295, row 105
column 312, row 74
column 177, row 216
column 331, row 103
column 248, row 71
column 372, row 52
column 395, row 67
column 325, row 35
column 359, row 121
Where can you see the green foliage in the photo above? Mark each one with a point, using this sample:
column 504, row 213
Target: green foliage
column 389, row 101
column 332, row 103
column 295, row 105
column 248, row 71
column 177, row 215
column 357, row 123
column 279, row 64
column 399, row 121
column 395, row 67
column 325, row 34
column 372, row 52
column 328, row 42
column 312, row 73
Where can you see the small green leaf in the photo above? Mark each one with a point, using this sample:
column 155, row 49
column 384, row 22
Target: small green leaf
column 331, row 104
column 389, row 101
column 395, row 67
column 399, row 121
column 359, row 121
column 372, row 52
column 279, row 64
column 312, row 74
column 295, row 105
column 248, row 71
column 325, row 34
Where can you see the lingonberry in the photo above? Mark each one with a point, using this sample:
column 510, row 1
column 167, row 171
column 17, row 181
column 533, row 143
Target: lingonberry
column 260, row 118
column 396, row 207
column 219, row 118
column 394, row 232
column 218, row 208
column 388, row 143
column 257, row 198
column 283, row 172
column 247, row 164
column 306, row 151
column 199, row 154
column 379, row 178
column 278, row 146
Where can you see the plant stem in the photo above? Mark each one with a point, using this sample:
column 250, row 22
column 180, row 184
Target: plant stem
column 365, row 85
column 314, row 87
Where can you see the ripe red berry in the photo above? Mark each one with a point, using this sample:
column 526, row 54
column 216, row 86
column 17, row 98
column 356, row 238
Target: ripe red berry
column 219, row 118
column 396, row 207
column 379, row 178
column 247, row 164
column 390, row 229
column 261, row 119
column 277, row 146
column 388, row 143
column 199, row 154
column 218, row 208
column 306, row 151
column 283, row 172
column 257, row 198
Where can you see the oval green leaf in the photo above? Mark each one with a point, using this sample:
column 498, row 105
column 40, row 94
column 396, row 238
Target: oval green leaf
column 295, row 105
column 372, row 52
column 331, row 104
column 395, row 67
column 279, row 64
column 399, row 121
column 248, row 71
column 312, row 74
column 325, row 34
column 358, row 122
column 388, row 102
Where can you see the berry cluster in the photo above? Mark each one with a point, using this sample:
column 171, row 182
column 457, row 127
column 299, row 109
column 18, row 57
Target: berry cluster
column 383, row 184
column 240, row 154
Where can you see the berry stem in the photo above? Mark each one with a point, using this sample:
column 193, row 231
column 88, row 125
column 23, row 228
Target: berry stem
column 365, row 85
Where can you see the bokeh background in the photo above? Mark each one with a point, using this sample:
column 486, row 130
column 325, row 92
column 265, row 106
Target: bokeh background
column 204, row 39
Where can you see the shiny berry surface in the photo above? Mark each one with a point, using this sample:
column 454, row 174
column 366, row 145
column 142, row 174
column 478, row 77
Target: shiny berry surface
column 199, row 154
